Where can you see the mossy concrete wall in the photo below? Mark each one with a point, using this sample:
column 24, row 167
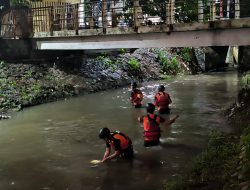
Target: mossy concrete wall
column 11, row 49
column 15, row 49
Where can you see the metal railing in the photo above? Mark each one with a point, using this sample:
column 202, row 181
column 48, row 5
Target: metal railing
column 50, row 17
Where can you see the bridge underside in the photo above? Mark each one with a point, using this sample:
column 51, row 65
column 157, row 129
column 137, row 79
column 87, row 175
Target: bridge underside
column 223, row 33
column 235, row 37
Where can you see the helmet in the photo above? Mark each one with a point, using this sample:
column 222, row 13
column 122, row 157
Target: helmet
column 133, row 84
column 104, row 133
column 161, row 88
column 150, row 108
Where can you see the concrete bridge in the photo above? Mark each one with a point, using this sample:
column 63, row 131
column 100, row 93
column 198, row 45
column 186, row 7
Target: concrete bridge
column 115, row 24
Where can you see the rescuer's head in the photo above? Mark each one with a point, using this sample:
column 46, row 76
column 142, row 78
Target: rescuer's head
column 161, row 88
column 150, row 108
column 104, row 133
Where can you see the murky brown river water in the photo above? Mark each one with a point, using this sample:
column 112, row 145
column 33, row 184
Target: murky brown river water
column 49, row 147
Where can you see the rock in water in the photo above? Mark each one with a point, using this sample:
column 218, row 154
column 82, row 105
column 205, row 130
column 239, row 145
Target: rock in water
column 4, row 117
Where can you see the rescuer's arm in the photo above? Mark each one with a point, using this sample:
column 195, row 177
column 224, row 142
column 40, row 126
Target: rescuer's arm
column 116, row 153
column 140, row 119
column 112, row 156
column 156, row 101
column 131, row 97
column 170, row 101
column 106, row 154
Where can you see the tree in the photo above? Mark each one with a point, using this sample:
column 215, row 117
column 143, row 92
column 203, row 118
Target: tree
column 154, row 8
column 185, row 10
column 4, row 4
column 22, row 2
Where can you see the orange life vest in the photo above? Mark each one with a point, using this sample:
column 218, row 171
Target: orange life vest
column 162, row 99
column 136, row 97
column 125, row 142
column 151, row 128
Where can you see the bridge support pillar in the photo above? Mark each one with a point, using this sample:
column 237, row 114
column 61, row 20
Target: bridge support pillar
column 237, row 9
column 212, row 10
column 232, row 56
column 104, row 15
column 170, row 12
column 76, row 21
column 200, row 11
column 244, row 58
column 137, row 13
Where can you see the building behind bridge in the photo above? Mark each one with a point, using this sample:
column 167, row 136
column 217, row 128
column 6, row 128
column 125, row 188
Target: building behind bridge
column 47, row 16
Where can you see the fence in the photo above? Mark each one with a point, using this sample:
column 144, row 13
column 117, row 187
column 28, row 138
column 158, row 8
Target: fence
column 56, row 16
column 53, row 16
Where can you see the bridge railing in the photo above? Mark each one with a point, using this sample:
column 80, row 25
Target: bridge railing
column 109, row 13
column 49, row 17
column 54, row 16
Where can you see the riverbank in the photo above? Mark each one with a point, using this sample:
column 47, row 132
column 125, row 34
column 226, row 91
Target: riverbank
column 225, row 163
column 32, row 82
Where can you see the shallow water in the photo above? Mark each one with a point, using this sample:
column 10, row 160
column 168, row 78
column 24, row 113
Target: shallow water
column 49, row 147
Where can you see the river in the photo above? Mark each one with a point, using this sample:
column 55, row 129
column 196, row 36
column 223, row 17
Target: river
column 50, row 146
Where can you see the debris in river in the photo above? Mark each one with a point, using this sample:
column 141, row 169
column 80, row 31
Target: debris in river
column 4, row 117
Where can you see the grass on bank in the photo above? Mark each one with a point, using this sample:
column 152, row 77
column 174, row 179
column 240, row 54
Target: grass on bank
column 245, row 81
column 214, row 168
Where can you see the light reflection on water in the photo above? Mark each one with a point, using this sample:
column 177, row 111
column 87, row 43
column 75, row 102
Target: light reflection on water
column 52, row 144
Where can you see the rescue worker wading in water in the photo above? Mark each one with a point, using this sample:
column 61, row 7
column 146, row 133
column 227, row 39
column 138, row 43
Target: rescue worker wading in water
column 151, row 125
column 117, row 141
column 162, row 100
column 136, row 96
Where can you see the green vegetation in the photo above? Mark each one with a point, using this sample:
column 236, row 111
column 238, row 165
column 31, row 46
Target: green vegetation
column 171, row 67
column 29, row 85
column 36, row 88
column 118, row 62
column 217, row 163
column 49, row 77
column 167, row 77
column 186, row 54
column 134, row 64
column 186, row 10
column 175, row 64
column 19, row 2
column 225, row 164
column 154, row 8
column 22, row 2
column 29, row 73
column 245, row 155
column 106, row 60
column 25, row 95
column 162, row 57
column 122, row 50
column 245, row 81
column 2, row 64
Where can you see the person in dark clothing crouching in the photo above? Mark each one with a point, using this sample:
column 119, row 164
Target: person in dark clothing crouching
column 119, row 142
